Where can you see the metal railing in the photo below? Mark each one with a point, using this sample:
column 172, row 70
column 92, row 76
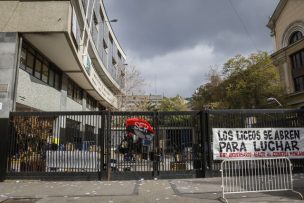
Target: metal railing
column 256, row 175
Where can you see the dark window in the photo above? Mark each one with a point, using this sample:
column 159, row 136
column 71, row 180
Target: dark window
column 45, row 72
column 111, row 38
column 95, row 19
column 74, row 92
column 38, row 66
column 296, row 36
column 91, row 102
column 298, row 60
column 72, row 139
column 299, row 84
column 119, row 54
column 114, row 62
column 89, row 133
column 89, row 138
column 57, row 81
column 23, row 58
column 105, row 46
column 51, row 78
column 29, row 62
column 101, row 107
column 38, row 69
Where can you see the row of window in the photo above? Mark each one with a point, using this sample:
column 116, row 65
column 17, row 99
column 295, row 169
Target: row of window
column 37, row 65
column 74, row 92
column 74, row 136
column 41, row 68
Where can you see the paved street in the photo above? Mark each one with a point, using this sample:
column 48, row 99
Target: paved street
column 184, row 190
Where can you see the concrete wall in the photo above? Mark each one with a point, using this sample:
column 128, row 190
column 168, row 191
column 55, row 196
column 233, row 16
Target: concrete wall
column 36, row 94
column 292, row 12
column 8, row 60
column 34, row 16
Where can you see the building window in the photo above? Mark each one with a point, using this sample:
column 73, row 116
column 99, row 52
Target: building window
column 295, row 36
column 45, row 71
column 298, row 60
column 119, row 54
column 89, row 138
column 91, row 102
column 74, row 92
column 29, row 62
column 72, row 135
column 95, row 19
column 39, row 66
column 114, row 63
column 111, row 38
column 105, row 46
column 101, row 107
column 299, row 83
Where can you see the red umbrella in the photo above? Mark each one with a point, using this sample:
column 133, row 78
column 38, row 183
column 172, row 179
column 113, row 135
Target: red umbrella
column 139, row 128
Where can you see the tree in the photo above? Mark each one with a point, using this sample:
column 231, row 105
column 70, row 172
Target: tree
column 176, row 103
column 246, row 83
column 145, row 105
column 134, row 84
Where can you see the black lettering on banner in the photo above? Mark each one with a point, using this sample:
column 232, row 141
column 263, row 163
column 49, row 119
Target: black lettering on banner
column 294, row 145
column 271, row 146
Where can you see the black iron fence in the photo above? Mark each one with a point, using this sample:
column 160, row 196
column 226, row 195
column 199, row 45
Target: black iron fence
column 50, row 144
column 253, row 118
column 89, row 145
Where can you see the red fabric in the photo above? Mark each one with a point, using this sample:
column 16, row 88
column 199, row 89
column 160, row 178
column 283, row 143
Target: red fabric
column 140, row 123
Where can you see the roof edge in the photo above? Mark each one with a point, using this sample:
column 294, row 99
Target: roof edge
column 273, row 18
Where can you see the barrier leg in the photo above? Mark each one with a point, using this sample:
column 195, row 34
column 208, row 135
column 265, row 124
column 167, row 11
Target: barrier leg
column 301, row 196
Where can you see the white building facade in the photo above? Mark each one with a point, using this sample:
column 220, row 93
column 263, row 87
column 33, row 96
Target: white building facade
column 58, row 56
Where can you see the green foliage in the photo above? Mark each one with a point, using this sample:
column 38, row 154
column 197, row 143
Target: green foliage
column 146, row 105
column 246, row 83
column 173, row 104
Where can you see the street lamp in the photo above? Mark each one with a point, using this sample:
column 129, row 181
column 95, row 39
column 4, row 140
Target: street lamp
column 272, row 99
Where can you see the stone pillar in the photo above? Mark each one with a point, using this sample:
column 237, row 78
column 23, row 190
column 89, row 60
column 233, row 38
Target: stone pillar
column 9, row 46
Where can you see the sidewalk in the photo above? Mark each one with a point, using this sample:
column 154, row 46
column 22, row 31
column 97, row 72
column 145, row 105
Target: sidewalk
column 169, row 191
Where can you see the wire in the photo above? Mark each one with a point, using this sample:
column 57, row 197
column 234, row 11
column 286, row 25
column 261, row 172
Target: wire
column 243, row 24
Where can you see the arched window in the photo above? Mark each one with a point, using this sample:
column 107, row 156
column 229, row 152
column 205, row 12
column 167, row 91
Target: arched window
column 295, row 36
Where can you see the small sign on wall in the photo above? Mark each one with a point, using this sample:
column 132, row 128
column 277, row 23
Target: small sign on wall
column 3, row 87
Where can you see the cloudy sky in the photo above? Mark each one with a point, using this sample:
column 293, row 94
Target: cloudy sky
column 174, row 43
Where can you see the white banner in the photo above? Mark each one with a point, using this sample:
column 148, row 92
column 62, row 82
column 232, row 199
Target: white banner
column 257, row 142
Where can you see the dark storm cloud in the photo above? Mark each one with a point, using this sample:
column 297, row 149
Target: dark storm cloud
column 151, row 31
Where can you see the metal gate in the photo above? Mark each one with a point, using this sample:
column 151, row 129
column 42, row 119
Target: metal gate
column 63, row 145
column 84, row 145
column 174, row 152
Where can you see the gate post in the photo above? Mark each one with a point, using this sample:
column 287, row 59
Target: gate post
column 108, row 145
column 204, row 116
column 101, row 143
column 156, row 155
column 4, row 135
